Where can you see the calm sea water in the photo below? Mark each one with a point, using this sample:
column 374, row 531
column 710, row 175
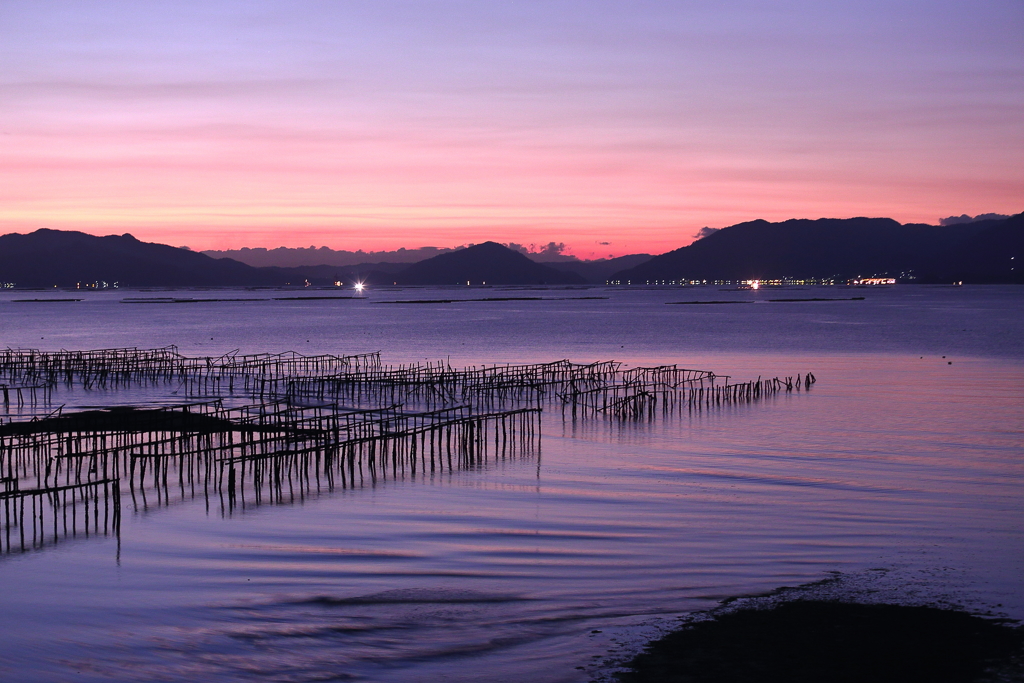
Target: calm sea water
column 906, row 460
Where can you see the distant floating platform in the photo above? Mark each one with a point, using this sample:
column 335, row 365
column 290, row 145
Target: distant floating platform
column 493, row 298
column 43, row 301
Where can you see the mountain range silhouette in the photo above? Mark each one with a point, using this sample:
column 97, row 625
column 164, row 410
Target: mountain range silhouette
column 982, row 251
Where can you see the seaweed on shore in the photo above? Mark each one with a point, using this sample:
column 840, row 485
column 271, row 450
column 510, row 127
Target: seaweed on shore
column 822, row 641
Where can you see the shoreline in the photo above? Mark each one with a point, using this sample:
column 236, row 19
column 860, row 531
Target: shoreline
column 834, row 630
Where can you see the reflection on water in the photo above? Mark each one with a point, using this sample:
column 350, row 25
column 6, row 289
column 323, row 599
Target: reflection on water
column 271, row 428
column 891, row 461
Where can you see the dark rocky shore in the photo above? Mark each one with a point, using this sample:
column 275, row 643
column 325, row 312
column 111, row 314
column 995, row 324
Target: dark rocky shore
column 831, row 641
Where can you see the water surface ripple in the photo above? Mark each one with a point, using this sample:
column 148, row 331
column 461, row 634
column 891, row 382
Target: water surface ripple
column 896, row 459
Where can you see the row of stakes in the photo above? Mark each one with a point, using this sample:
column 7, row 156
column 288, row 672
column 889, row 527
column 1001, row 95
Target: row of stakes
column 311, row 424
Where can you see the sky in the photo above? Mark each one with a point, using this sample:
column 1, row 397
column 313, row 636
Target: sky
column 614, row 127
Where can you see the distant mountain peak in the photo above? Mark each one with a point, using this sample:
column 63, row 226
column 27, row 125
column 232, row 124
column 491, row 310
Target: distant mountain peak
column 484, row 263
column 842, row 248
column 46, row 257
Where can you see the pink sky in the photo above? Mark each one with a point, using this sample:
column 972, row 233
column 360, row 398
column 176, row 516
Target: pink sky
column 378, row 125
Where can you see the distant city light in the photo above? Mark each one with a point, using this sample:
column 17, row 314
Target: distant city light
column 874, row 281
column 755, row 284
column 359, row 286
